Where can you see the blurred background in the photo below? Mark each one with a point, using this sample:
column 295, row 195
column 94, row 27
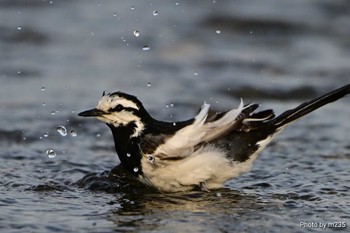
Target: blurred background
column 186, row 51
column 57, row 57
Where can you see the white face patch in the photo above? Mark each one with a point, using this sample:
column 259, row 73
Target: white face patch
column 119, row 118
column 123, row 118
column 109, row 102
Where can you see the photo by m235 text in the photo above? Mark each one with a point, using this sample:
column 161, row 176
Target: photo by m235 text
column 324, row 225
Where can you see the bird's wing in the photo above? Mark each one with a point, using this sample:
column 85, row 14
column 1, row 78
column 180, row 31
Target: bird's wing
column 227, row 122
column 185, row 141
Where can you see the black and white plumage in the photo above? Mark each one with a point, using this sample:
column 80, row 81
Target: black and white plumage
column 203, row 152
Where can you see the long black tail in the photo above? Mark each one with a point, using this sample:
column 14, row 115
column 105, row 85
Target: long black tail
column 291, row 115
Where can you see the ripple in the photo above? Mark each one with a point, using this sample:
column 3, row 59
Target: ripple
column 9, row 137
column 258, row 185
column 24, row 35
column 296, row 197
column 22, row 72
column 20, row 3
column 291, row 204
column 298, row 93
column 113, row 181
column 47, row 187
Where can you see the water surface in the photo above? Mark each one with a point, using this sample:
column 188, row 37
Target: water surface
column 58, row 56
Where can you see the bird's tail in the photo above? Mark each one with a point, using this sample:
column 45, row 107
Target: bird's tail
column 291, row 115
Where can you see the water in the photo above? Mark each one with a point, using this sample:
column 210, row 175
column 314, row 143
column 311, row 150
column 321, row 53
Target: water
column 57, row 58
column 136, row 33
column 51, row 153
column 146, row 48
column 62, row 130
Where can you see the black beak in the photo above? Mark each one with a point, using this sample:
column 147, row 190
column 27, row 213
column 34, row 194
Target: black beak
column 92, row 113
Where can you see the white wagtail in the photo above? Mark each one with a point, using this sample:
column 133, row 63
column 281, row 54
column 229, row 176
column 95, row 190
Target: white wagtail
column 203, row 152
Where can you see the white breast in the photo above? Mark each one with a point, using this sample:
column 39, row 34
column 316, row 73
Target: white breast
column 208, row 166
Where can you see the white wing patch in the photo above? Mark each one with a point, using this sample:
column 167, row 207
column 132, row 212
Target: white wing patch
column 183, row 142
column 219, row 127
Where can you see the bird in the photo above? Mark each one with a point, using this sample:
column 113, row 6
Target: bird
column 201, row 153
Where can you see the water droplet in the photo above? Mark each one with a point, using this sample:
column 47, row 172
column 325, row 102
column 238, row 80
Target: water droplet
column 62, row 130
column 51, row 153
column 251, row 32
column 99, row 4
column 128, row 155
column 53, row 113
column 155, row 13
column 146, row 48
column 43, row 88
column 46, row 135
column 115, row 14
column 195, row 73
column 177, row 4
column 174, row 123
column 149, row 84
column 73, row 133
column 132, row 8
column 151, row 159
column 218, row 194
column 136, row 33
column 218, row 31
column 172, row 105
column 98, row 135
column 136, row 169
column 19, row 28
column 43, row 104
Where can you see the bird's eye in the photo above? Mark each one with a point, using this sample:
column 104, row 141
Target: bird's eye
column 118, row 108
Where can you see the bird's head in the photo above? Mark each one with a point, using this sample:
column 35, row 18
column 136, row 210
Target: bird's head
column 120, row 110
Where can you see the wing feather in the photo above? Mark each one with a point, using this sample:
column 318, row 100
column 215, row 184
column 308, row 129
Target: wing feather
column 184, row 142
column 223, row 125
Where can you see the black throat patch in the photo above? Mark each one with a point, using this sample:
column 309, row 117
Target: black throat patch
column 127, row 147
